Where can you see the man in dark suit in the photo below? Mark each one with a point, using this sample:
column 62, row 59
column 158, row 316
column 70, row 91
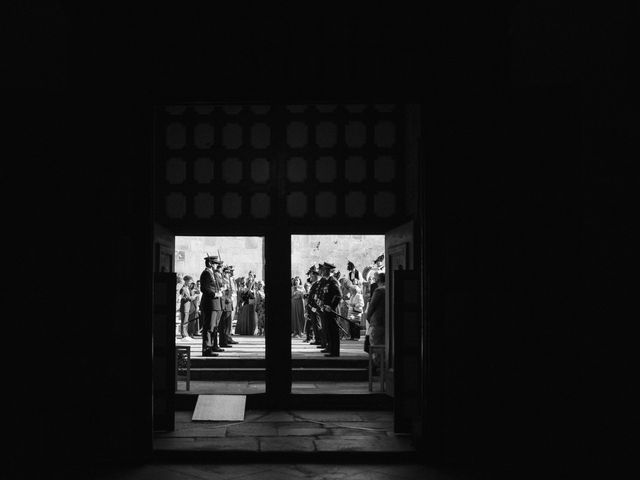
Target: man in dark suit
column 322, row 325
column 331, row 297
column 313, row 310
column 211, row 285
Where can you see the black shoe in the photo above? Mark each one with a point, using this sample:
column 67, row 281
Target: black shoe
column 331, row 355
column 217, row 349
column 210, row 354
column 225, row 345
column 315, row 343
column 232, row 342
column 324, row 350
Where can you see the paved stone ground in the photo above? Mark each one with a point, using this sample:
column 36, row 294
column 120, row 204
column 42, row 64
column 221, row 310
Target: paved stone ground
column 288, row 431
column 252, row 346
column 198, row 387
column 271, row 471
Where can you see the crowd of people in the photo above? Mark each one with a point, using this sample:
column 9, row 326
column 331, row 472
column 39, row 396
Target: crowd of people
column 331, row 307
column 326, row 308
column 219, row 306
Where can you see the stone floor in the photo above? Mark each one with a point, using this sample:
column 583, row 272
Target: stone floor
column 253, row 346
column 197, row 387
column 288, row 431
column 275, row 471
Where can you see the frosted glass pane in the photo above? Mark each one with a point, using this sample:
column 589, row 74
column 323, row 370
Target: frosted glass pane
column 356, row 108
column 203, row 205
column 232, row 109
column 326, row 108
column 175, row 109
column 385, row 134
column 355, row 204
column 355, row 134
column 260, row 135
column 203, row 136
column 326, row 169
column 176, row 205
column 176, row 136
column 297, row 204
column 260, row 170
column 203, row 170
column 176, row 171
column 384, row 169
column 387, row 107
column 203, row 109
column 296, row 108
column 231, row 205
column 297, row 134
column 326, row 204
column 260, row 205
column 326, row 134
column 355, row 169
column 260, row 109
column 232, row 170
column 384, row 204
column 232, row 136
column 297, row 169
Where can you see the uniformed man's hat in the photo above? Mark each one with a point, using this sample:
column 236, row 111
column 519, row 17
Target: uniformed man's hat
column 328, row 266
column 350, row 265
column 228, row 268
column 214, row 259
column 313, row 269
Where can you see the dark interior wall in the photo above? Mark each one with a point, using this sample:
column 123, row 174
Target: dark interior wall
column 526, row 152
column 527, row 134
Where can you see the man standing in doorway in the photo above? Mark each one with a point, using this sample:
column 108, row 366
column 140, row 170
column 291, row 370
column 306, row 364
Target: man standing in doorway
column 330, row 300
column 233, row 286
column 217, row 306
column 312, row 307
column 210, row 282
column 227, row 309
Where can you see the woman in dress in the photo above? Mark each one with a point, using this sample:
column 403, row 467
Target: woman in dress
column 356, row 306
column 260, row 306
column 297, row 307
column 247, row 319
column 240, row 284
column 194, row 314
column 375, row 314
column 343, row 306
column 186, row 300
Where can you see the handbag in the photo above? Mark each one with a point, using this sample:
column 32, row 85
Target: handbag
column 367, row 343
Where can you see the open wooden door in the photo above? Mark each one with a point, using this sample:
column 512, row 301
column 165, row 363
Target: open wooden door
column 164, row 318
column 403, row 327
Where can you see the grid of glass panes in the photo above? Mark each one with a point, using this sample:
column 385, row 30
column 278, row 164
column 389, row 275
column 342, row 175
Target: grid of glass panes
column 330, row 162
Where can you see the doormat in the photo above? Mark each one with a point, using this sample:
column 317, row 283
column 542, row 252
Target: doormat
column 216, row 408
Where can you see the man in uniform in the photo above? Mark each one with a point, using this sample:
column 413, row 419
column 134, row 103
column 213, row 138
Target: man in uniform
column 233, row 286
column 330, row 292
column 312, row 307
column 322, row 326
column 210, row 281
column 227, row 309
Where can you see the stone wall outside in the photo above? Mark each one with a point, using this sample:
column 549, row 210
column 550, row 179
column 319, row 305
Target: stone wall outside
column 247, row 253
